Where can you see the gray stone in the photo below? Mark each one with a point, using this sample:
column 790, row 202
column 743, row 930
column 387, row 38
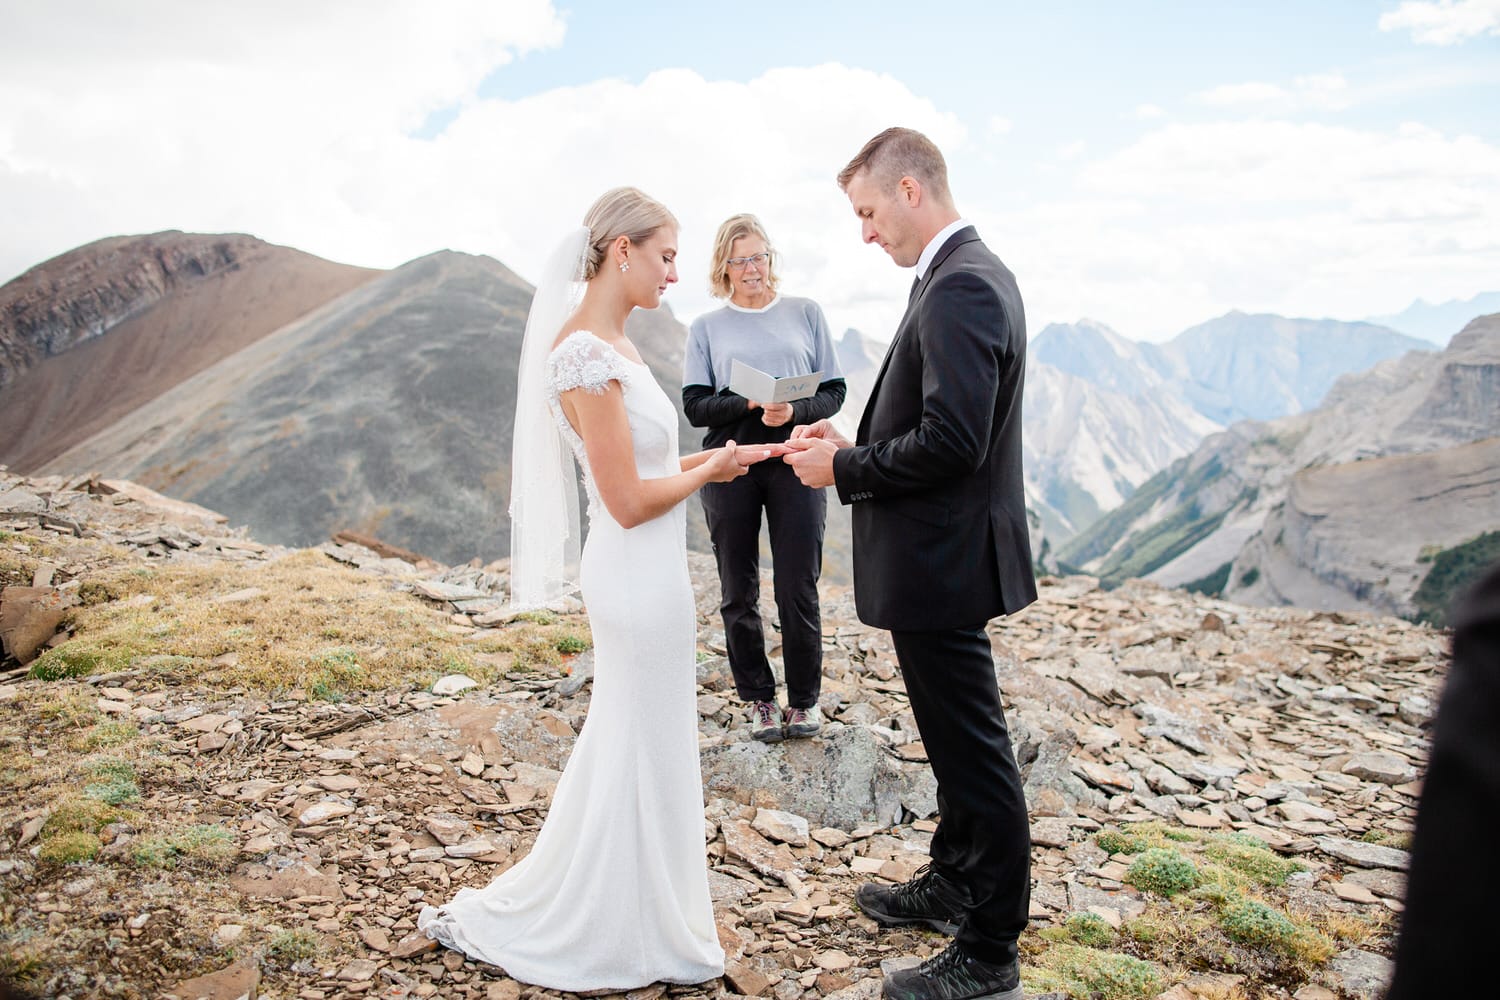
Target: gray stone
column 1341, row 695
column 861, row 713
column 539, row 736
column 1381, row 881
column 17, row 500
column 724, row 888
column 1362, row 974
column 453, row 684
column 1050, row 831
column 359, row 970
column 774, row 860
column 1415, row 710
column 322, row 812
column 789, row 828
column 865, row 989
column 845, row 779
column 1360, row 854
column 1051, row 769
column 1302, row 812
column 1386, row 768
column 1177, row 728
column 1165, row 781
column 476, row 848
column 237, row 982
column 448, row 829
column 918, row 789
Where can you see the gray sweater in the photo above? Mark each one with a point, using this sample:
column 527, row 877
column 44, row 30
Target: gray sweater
column 788, row 337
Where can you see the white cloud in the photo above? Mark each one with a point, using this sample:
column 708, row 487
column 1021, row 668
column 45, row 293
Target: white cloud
column 1072, row 150
column 1232, row 94
column 199, row 115
column 183, row 117
column 1319, row 92
column 193, row 119
column 1149, row 112
column 1445, row 22
column 999, row 125
column 1324, row 91
column 669, row 136
column 1295, row 218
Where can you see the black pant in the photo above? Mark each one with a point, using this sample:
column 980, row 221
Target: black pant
column 795, row 516
column 983, row 839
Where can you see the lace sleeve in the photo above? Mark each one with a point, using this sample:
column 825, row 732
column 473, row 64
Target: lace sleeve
column 583, row 361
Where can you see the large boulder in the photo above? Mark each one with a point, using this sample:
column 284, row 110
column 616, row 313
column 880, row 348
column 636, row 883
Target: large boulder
column 846, row 778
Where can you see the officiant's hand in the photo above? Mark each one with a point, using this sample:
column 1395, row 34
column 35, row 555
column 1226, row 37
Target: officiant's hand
column 811, row 458
column 775, row 414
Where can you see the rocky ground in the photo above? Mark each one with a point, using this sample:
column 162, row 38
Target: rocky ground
column 1220, row 795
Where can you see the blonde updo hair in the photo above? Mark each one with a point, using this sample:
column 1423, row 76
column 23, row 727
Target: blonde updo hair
column 623, row 211
column 733, row 228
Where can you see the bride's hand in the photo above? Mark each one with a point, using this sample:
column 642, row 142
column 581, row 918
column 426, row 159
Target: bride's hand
column 749, row 454
column 723, row 464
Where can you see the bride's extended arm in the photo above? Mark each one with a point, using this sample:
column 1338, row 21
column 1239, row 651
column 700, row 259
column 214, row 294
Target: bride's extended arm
column 748, row 454
column 602, row 424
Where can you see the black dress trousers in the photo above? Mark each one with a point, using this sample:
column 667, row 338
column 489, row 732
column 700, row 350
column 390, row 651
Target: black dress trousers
column 983, row 839
column 795, row 518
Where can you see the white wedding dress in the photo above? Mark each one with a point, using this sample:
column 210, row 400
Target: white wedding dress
column 614, row 894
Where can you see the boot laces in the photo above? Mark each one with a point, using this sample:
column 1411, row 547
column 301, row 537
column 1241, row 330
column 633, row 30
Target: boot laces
column 921, row 882
column 947, row 960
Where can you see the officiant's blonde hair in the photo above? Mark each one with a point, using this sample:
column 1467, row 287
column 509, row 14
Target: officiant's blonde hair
column 621, row 211
column 733, row 228
column 897, row 153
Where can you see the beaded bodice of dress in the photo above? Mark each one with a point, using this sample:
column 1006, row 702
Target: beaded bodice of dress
column 584, row 361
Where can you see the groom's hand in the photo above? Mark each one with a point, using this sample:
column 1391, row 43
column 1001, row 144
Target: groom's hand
column 821, row 429
column 811, row 458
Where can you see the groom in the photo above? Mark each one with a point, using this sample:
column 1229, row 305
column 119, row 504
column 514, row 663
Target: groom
column 940, row 547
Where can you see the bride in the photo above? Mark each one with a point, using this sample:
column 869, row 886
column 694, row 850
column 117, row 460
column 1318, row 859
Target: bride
column 614, row 894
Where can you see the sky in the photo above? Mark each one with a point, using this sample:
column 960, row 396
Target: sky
column 1147, row 165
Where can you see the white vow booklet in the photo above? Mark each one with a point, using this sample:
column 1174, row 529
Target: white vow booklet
column 752, row 383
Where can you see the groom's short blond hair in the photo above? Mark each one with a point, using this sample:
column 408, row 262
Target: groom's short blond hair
column 897, row 153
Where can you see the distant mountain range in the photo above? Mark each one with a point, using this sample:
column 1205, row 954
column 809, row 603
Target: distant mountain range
column 385, row 407
column 1437, row 322
column 302, row 397
column 1103, row 413
column 1350, row 506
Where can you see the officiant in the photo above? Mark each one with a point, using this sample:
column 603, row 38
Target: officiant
column 780, row 336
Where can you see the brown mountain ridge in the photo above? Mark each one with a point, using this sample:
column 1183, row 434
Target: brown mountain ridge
column 90, row 335
column 382, row 404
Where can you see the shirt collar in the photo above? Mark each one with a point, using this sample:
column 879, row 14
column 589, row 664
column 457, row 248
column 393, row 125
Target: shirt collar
column 936, row 243
column 746, row 309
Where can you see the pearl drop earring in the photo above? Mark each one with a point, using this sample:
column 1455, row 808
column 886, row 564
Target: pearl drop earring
column 624, row 266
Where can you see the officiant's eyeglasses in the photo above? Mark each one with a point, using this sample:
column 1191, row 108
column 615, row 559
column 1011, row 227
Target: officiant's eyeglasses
column 759, row 260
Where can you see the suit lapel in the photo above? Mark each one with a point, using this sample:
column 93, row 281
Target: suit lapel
column 919, row 288
column 864, row 421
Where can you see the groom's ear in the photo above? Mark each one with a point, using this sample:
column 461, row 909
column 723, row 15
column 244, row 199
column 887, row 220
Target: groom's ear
column 910, row 191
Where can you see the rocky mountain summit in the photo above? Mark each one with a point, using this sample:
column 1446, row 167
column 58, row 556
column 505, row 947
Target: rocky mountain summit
column 1346, row 507
column 240, row 770
column 88, row 336
column 83, row 294
column 1105, row 413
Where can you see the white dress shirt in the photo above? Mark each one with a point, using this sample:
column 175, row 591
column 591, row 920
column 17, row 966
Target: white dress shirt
column 931, row 249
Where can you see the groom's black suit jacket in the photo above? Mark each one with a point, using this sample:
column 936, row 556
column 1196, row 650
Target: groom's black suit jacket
column 939, row 510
